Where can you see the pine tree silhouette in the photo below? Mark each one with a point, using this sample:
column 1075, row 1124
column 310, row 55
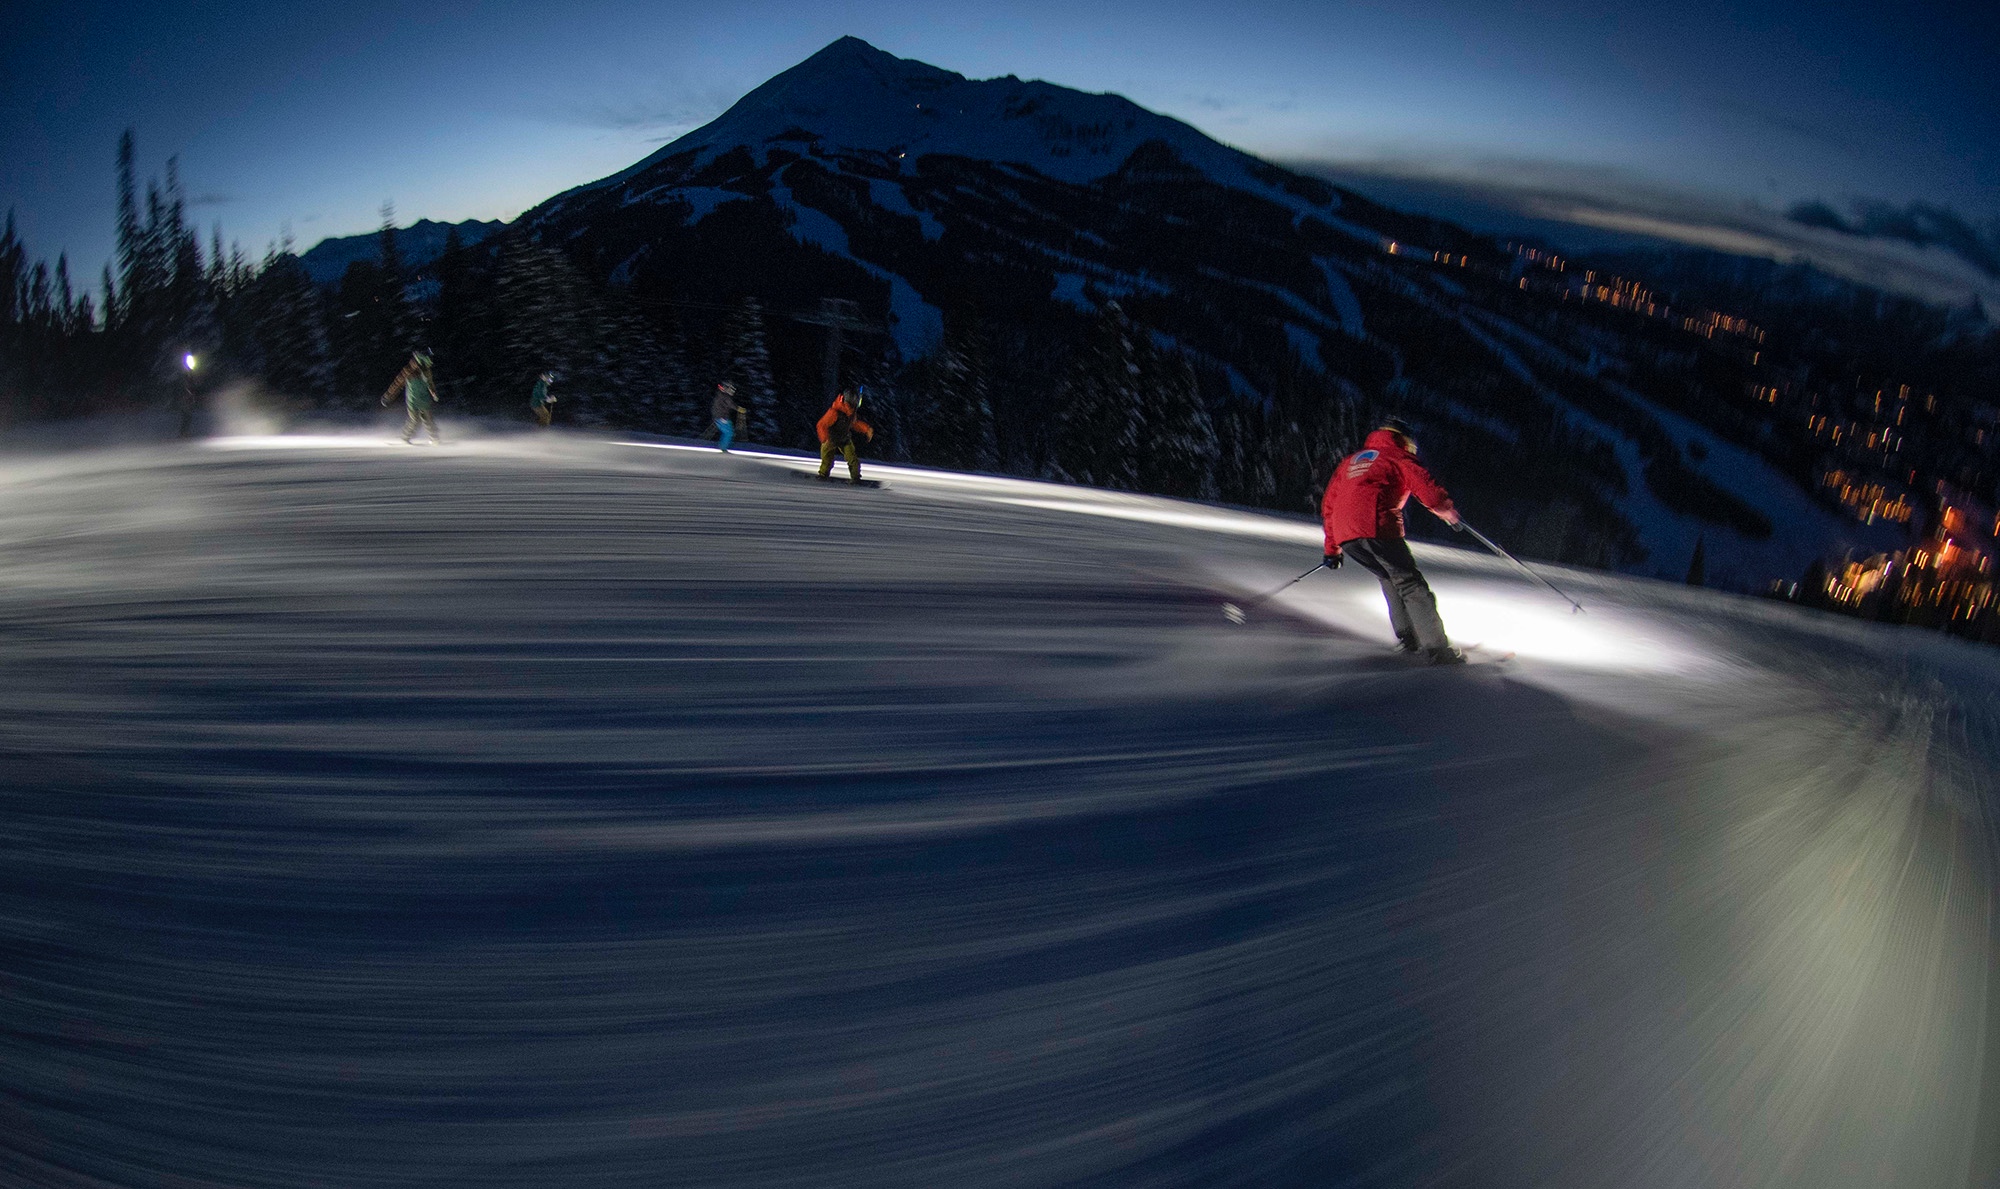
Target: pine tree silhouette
column 948, row 419
column 1178, row 449
column 749, row 368
column 288, row 336
column 1102, row 413
column 544, row 319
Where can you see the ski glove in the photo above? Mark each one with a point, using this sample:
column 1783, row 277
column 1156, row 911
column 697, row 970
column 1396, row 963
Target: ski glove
column 1332, row 560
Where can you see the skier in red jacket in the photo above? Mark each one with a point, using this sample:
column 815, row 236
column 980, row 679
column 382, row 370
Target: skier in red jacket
column 1363, row 511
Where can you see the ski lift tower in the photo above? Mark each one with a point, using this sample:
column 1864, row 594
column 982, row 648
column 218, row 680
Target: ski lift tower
column 839, row 316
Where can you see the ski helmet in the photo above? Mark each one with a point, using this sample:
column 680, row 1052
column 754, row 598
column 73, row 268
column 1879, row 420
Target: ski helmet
column 1404, row 434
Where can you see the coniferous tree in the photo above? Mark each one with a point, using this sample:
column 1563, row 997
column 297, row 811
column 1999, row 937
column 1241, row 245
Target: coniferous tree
column 191, row 325
column 1178, row 449
column 949, row 416
column 133, row 259
column 1102, row 416
column 65, row 298
column 13, row 259
column 221, row 281
column 360, row 336
column 109, row 286
column 749, row 368
column 640, row 364
column 13, row 372
column 1315, row 422
column 463, row 330
column 1243, row 465
column 285, row 331
column 145, row 259
column 544, row 326
column 372, row 322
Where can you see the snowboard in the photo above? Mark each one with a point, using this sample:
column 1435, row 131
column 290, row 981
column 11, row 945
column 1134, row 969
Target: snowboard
column 813, row 478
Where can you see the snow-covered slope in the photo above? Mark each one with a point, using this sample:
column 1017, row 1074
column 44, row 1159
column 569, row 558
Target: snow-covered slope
column 544, row 811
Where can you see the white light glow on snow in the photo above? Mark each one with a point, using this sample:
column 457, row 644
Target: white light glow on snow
column 1221, row 522
column 1535, row 626
column 305, row 441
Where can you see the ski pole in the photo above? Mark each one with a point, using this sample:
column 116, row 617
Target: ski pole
column 1483, row 540
column 1235, row 614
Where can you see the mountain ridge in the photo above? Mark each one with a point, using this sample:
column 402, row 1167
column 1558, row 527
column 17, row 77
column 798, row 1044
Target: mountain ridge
column 419, row 243
column 926, row 198
column 901, row 107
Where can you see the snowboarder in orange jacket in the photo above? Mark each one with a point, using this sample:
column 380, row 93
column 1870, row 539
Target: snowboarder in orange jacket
column 837, row 427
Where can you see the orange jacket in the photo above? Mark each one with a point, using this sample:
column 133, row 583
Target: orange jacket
column 838, row 423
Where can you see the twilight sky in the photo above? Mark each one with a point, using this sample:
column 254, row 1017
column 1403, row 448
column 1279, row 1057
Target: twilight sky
column 311, row 115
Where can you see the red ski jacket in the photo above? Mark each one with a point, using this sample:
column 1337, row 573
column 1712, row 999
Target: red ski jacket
column 1366, row 495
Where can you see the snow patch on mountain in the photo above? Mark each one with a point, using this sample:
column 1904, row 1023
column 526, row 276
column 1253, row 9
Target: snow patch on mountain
column 916, row 325
column 704, row 200
column 1345, row 303
column 1803, row 526
column 890, row 197
column 1306, row 344
column 1069, row 288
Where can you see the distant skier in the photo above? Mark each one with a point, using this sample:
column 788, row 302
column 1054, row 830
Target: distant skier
column 540, row 402
column 1363, row 513
column 724, row 410
column 837, row 427
column 419, row 395
column 187, row 404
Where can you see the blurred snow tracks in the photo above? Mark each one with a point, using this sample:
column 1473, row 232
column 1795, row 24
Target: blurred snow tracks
column 537, row 813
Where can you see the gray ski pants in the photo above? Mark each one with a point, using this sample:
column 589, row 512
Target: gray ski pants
column 1413, row 609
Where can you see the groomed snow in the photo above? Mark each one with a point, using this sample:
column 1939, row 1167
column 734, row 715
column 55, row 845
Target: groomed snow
column 554, row 810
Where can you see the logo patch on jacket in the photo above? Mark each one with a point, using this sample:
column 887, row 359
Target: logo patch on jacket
column 1359, row 464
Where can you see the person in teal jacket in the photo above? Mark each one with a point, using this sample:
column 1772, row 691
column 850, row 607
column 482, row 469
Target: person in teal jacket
column 541, row 402
column 419, row 395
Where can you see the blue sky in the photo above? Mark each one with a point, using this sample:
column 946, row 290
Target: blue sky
column 310, row 116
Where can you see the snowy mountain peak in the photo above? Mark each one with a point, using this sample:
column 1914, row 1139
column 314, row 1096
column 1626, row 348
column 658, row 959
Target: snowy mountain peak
column 848, row 57
column 852, row 97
